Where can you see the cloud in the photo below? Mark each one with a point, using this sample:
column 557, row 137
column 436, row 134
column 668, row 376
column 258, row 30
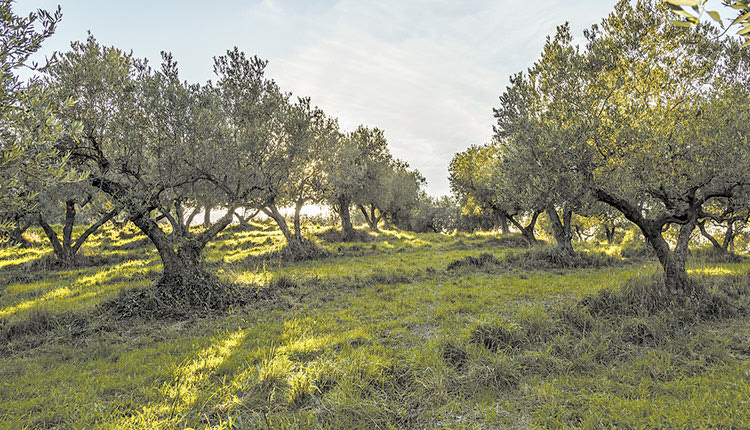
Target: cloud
column 428, row 73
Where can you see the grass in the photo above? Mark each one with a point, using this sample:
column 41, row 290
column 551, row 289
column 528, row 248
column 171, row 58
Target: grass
column 378, row 334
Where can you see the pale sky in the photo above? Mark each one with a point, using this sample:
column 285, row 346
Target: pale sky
column 426, row 72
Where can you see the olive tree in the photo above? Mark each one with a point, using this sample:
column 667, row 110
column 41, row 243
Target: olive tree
column 400, row 193
column 485, row 186
column 29, row 129
column 472, row 183
column 351, row 163
column 540, row 135
column 151, row 141
column 316, row 133
column 658, row 126
column 691, row 12
column 70, row 199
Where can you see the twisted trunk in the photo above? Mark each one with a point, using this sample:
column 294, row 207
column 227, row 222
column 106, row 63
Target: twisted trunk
column 343, row 203
column 672, row 261
column 273, row 212
column 181, row 261
column 371, row 217
column 67, row 249
column 561, row 229
column 244, row 219
column 527, row 231
column 717, row 246
column 676, row 279
column 504, row 224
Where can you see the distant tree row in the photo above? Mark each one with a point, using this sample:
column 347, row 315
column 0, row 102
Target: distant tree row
column 648, row 121
column 104, row 135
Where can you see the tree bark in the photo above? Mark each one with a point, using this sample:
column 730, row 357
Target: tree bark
column 182, row 261
column 610, row 234
column 273, row 212
column 504, row 224
column 370, row 217
column 561, row 229
column 57, row 247
column 299, row 204
column 207, row 217
column 729, row 236
column 190, row 217
column 676, row 279
column 528, row 231
column 66, row 251
column 244, row 219
column 343, row 203
column 673, row 262
column 717, row 246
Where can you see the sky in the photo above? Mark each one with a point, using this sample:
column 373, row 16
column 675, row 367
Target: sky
column 428, row 73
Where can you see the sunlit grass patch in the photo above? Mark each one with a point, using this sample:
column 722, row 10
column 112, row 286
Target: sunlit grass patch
column 76, row 288
column 376, row 335
column 717, row 270
column 94, row 383
column 17, row 257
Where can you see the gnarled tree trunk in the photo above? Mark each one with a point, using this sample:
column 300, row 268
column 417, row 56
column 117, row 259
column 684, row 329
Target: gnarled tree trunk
column 67, row 249
column 244, row 219
column 716, row 245
column 371, row 217
column 343, row 203
column 504, row 224
column 527, row 231
column 561, row 229
column 273, row 212
column 673, row 262
column 181, row 261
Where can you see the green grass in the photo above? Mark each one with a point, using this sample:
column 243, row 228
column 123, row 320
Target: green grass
column 379, row 334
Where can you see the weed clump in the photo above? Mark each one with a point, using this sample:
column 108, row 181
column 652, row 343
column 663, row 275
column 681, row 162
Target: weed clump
column 497, row 336
column 302, row 250
column 32, row 327
column 454, row 355
column 282, row 283
column 551, row 257
column 195, row 294
column 469, row 261
column 607, row 328
column 639, row 297
column 333, row 235
column 499, row 372
column 509, row 241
